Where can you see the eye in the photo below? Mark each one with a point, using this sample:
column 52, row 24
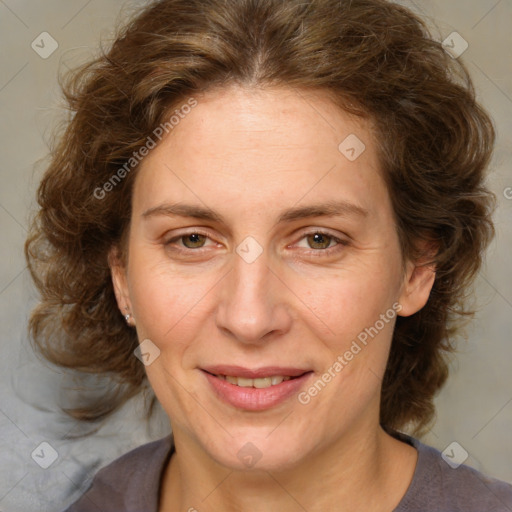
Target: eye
column 321, row 242
column 196, row 240
column 191, row 240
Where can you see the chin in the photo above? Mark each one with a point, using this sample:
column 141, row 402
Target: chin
column 258, row 451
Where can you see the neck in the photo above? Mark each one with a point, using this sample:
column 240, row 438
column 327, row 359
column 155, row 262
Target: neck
column 369, row 471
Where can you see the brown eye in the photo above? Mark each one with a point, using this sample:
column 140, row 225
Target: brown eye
column 319, row 240
column 195, row 239
column 321, row 244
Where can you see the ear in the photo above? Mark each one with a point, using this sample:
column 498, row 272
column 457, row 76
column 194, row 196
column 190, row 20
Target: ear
column 119, row 280
column 418, row 281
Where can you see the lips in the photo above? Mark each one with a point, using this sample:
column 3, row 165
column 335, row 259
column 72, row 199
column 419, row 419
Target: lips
column 258, row 389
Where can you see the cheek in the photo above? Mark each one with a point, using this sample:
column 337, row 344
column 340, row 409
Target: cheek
column 344, row 305
column 159, row 297
column 167, row 306
column 359, row 314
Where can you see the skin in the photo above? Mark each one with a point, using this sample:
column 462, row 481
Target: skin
column 249, row 155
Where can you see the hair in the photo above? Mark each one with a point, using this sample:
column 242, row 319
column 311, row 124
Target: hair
column 375, row 59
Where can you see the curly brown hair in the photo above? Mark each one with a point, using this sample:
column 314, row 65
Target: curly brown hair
column 376, row 59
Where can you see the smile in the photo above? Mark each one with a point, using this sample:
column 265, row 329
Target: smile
column 260, row 383
column 252, row 392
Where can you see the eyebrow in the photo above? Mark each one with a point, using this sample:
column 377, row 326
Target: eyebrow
column 324, row 209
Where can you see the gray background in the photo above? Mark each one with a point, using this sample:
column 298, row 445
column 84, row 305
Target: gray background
column 475, row 407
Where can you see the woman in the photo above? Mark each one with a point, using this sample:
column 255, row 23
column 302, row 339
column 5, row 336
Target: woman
column 272, row 211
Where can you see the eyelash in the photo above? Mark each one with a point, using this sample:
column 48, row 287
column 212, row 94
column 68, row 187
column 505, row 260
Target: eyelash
column 315, row 252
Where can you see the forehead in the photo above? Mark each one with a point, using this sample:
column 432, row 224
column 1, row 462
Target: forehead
column 286, row 120
column 263, row 144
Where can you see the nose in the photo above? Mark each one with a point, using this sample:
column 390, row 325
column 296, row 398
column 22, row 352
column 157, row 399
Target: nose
column 253, row 302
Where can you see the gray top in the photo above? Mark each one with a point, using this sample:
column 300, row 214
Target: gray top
column 131, row 483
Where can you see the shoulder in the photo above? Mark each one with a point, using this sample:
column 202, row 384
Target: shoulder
column 129, row 483
column 440, row 487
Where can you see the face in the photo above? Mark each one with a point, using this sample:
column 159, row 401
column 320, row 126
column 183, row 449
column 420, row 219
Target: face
column 260, row 247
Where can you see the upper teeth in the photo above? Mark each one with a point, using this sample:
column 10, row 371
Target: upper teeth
column 264, row 382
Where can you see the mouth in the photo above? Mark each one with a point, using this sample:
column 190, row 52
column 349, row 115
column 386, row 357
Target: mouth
column 255, row 390
column 258, row 383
